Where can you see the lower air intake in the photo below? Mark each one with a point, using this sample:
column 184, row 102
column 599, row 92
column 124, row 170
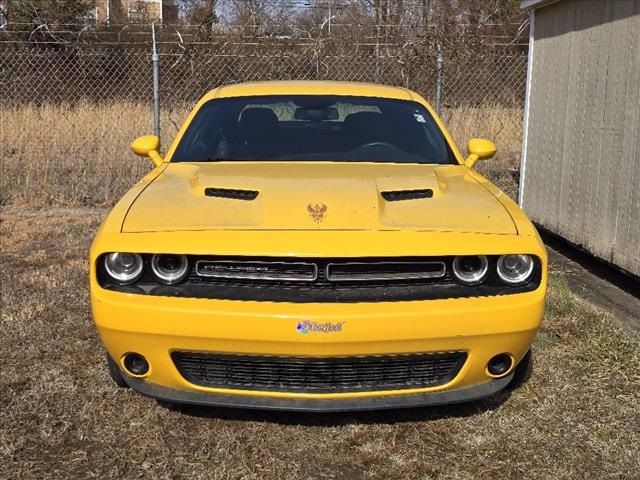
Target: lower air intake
column 319, row 375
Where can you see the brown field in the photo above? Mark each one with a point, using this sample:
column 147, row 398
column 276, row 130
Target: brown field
column 60, row 416
column 79, row 155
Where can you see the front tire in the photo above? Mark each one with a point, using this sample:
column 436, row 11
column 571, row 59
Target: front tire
column 115, row 373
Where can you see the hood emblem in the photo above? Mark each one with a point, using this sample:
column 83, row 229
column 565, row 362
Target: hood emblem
column 317, row 211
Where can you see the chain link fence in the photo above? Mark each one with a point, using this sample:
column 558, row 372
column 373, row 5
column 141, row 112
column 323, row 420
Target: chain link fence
column 69, row 112
column 37, row 76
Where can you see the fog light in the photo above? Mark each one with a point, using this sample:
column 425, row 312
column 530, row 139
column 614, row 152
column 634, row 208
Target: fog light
column 500, row 365
column 136, row 364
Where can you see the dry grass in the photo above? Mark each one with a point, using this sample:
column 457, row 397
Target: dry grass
column 61, row 418
column 74, row 155
column 79, row 155
column 502, row 125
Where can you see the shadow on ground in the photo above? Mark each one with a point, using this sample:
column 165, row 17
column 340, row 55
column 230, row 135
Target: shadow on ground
column 333, row 419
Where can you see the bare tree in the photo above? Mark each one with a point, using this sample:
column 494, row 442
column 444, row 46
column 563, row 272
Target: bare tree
column 261, row 17
column 52, row 12
column 200, row 12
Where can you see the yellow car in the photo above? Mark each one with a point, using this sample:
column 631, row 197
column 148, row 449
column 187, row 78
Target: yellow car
column 318, row 246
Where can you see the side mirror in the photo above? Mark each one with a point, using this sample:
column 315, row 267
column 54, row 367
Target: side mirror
column 148, row 146
column 479, row 149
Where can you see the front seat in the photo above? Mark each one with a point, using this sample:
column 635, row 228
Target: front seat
column 365, row 127
column 260, row 130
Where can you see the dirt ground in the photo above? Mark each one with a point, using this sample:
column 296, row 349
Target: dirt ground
column 577, row 417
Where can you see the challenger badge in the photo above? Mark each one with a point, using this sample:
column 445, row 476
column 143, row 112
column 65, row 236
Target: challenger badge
column 317, row 211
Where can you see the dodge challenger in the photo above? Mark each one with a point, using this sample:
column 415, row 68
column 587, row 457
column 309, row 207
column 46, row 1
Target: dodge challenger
column 318, row 246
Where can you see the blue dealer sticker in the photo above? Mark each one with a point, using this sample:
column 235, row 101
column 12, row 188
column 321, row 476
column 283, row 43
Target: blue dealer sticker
column 307, row 326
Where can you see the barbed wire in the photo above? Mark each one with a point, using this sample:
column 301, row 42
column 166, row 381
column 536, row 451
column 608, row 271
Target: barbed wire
column 52, row 68
column 365, row 33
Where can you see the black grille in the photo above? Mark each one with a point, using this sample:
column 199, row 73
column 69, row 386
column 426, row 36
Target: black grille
column 257, row 270
column 320, row 280
column 329, row 273
column 372, row 279
column 319, row 375
column 384, row 271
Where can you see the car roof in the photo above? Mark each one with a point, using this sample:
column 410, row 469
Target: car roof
column 304, row 87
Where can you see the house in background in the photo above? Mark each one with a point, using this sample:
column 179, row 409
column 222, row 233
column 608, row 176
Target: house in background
column 580, row 164
column 136, row 11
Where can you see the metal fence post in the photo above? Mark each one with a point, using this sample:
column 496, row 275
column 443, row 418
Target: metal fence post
column 439, row 64
column 155, row 60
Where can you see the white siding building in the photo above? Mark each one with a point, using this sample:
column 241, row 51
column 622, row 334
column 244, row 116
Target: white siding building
column 580, row 172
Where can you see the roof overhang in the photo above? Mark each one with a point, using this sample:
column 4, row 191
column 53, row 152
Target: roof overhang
column 529, row 4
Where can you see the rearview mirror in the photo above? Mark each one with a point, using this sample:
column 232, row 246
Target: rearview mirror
column 148, row 146
column 479, row 149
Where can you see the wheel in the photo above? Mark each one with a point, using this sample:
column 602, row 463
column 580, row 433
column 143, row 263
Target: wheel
column 523, row 371
column 115, row 373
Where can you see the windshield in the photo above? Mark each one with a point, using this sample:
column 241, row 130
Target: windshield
column 313, row 128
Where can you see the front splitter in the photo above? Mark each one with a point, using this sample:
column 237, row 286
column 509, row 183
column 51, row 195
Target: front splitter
column 383, row 402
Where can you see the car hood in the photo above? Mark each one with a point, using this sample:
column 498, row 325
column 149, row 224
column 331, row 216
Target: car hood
column 308, row 196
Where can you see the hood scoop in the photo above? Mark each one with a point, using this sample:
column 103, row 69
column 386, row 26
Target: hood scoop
column 398, row 195
column 235, row 194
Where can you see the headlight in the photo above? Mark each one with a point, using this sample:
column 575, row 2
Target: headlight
column 169, row 269
column 471, row 269
column 123, row 267
column 515, row 269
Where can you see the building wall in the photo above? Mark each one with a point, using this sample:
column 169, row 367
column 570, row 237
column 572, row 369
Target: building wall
column 117, row 11
column 581, row 159
column 101, row 11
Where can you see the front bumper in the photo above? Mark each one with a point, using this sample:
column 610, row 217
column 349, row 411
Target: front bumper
column 157, row 326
